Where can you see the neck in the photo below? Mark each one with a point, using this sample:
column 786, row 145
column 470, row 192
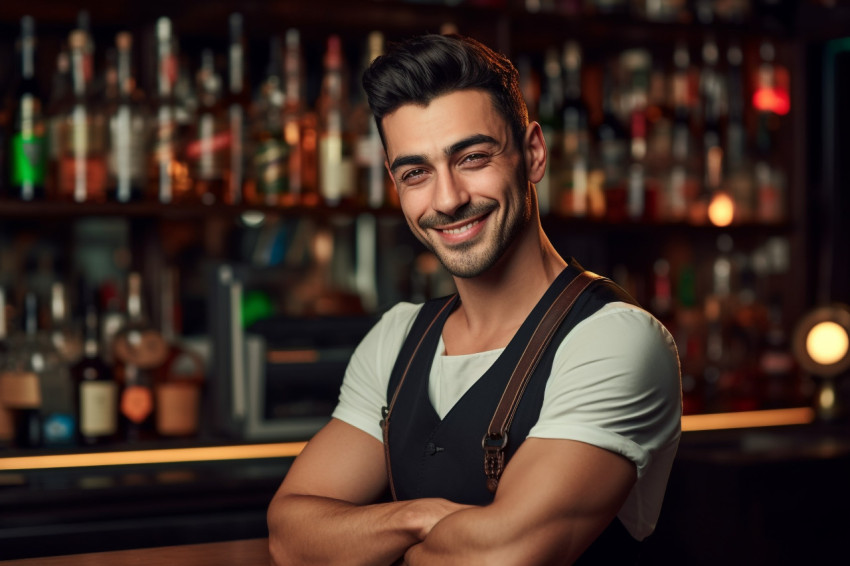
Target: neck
column 495, row 304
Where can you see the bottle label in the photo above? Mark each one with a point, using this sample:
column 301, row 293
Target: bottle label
column 136, row 403
column 98, row 408
column 177, row 408
column 126, row 153
column 336, row 169
column 58, row 429
column 28, row 160
column 270, row 161
column 20, row 390
column 7, row 426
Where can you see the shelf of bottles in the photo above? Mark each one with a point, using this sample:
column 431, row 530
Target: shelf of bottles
column 667, row 156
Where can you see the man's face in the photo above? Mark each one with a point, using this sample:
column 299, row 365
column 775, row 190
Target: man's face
column 460, row 177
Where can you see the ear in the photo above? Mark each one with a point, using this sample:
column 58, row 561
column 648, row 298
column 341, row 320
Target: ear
column 535, row 152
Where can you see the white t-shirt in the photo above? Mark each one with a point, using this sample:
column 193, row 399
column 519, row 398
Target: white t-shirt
column 615, row 384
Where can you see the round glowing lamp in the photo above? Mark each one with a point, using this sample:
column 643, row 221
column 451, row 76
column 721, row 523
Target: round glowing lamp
column 822, row 347
column 721, row 209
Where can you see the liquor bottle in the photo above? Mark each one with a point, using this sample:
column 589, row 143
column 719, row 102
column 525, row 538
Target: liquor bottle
column 112, row 319
column 612, row 144
column 776, row 362
column 572, row 185
column 96, row 391
column 20, row 392
column 771, row 101
column 127, row 128
column 58, row 419
column 712, row 100
column 169, row 174
column 551, row 120
column 682, row 186
column 237, row 105
column 177, row 388
column 336, row 164
column 208, row 150
column 373, row 183
column 7, row 423
column 64, row 333
column 269, row 172
column 31, row 373
column 28, row 143
column 60, row 89
column 138, row 349
column 738, row 176
column 299, row 127
column 661, row 303
column 638, row 63
column 689, row 334
column 82, row 166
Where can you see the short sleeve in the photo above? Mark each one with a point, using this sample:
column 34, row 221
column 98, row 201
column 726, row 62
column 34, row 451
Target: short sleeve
column 364, row 387
column 615, row 383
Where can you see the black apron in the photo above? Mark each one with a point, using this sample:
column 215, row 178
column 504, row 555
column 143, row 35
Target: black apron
column 431, row 457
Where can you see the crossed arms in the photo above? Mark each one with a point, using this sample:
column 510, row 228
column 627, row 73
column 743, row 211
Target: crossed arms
column 555, row 497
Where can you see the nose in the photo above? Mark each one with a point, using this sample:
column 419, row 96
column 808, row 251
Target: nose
column 450, row 192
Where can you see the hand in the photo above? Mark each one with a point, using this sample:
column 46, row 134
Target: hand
column 430, row 511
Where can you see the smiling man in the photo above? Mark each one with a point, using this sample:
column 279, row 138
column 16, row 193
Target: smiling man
column 397, row 476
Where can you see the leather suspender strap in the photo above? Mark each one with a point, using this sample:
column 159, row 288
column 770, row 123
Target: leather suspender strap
column 496, row 438
column 387, row 411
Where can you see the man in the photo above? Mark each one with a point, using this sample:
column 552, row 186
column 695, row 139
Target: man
column 593, row 439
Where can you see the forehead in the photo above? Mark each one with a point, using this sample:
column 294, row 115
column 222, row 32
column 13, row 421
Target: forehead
column 414, row 129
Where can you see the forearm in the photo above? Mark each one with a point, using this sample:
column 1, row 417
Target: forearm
column 307, row 530
column 488, row 535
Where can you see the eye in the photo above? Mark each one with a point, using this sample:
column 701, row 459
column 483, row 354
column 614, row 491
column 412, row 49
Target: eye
column 413, row 176
column 474, row 159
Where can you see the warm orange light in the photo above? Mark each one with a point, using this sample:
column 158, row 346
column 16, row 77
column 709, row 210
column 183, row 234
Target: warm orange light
column 772, row 99
column 827, row 343
column 156, row 456
column 748, row 419
column 721, row 210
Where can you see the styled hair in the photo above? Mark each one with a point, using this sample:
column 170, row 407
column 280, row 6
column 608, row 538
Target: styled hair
column 425, row 67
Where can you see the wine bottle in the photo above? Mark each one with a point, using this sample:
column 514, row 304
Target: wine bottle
column 82, row 165
column 336, row 166
column 269, row 171
column 96, row 391
column 169, row 173
column 208, row 150
column 374, row 187
column 127, row 128
column 28, row 143
column 7, row 424
column 237, row 104
column 572, row 185
column 138, row 349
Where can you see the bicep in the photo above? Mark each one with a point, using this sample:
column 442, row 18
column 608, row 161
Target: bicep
column 340, row 462
column 562, row 493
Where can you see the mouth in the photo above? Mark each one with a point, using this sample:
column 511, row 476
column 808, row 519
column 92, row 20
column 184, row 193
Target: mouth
column 462, row 232
column 460, row 229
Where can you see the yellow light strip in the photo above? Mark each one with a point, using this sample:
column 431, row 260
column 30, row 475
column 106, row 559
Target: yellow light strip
column 748, row 419
column 718, row 421
column 156, row 456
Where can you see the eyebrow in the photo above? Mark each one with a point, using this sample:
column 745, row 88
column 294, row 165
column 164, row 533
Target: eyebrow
column 476, row 139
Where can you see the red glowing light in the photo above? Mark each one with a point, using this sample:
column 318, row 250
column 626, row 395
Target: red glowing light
column 774, row 100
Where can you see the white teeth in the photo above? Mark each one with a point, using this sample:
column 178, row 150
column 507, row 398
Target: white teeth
column 462, row 229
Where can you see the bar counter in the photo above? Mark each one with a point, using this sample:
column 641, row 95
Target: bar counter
column 743, row 492
column 251, row 552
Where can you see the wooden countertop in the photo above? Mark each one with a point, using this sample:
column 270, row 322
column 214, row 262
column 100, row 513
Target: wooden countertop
column 252, row 552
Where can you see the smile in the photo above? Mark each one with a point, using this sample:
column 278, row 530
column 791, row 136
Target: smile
column 461, row 229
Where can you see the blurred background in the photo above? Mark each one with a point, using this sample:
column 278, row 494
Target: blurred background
column 196, row 229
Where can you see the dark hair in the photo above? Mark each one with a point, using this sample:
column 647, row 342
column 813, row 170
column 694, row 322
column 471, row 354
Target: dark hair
column 422, row 68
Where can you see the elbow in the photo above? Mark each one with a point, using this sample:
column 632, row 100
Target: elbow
column 279, row 554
